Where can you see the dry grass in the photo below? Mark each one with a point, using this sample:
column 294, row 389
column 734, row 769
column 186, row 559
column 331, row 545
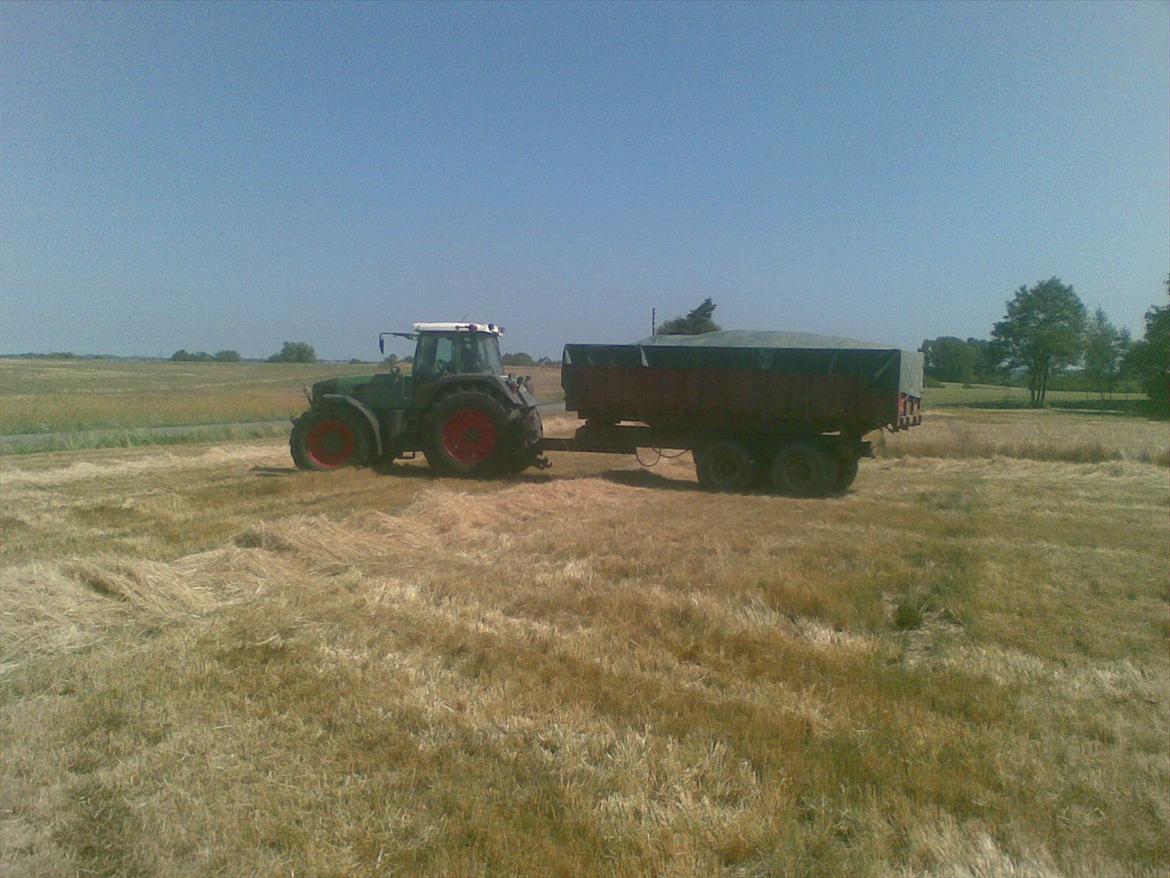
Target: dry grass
column 546, row 380
column 959, row 669
column 1031, row 435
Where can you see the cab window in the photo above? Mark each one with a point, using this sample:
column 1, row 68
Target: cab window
column 489, row 354
column 434, row 356
column 444, row 356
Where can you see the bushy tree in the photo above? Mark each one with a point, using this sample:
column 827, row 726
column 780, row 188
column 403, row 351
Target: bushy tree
column 1149, row 358
column 295, row 352
column 696, row 322
column 1105, row 349
column 518, row 359
column 948, row 358
column 227, row 356
column 184, row 356
column 1042, row 332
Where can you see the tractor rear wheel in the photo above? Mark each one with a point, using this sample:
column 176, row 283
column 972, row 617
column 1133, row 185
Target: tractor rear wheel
column 801, row 469
column 471, row 434
column 724, row 466
column 327, row 440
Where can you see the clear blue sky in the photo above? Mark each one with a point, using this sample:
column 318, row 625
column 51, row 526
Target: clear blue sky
column 220, row 175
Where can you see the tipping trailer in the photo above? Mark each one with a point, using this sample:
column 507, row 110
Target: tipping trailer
column 785, row 410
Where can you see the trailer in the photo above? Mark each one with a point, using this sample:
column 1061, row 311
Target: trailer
column 781, row 410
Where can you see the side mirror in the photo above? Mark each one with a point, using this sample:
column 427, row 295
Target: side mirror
column 381, row 344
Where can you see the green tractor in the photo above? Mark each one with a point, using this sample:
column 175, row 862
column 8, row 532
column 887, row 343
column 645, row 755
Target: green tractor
column 456, row 406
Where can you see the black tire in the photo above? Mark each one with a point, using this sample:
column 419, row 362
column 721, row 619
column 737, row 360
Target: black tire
column 530, row 430
column 801, row 469
column 471, row 434
column 724, row 466
column 846, row 473
column 328, row 440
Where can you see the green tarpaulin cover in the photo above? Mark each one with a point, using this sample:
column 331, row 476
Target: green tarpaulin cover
column 798, row 352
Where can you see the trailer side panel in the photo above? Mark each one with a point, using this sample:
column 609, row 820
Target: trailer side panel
column 746, row 389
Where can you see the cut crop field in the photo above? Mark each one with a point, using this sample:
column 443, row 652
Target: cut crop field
column 212, row 664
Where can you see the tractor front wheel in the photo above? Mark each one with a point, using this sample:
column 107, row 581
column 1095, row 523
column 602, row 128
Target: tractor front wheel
column 326, row 441
column 471, row 434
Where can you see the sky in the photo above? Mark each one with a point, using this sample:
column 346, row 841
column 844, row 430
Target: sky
column 218, row 176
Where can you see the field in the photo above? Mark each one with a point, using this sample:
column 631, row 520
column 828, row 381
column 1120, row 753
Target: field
column 63, row 404
column 213, row 664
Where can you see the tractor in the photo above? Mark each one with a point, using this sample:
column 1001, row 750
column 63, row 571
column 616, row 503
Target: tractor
column 457, row 406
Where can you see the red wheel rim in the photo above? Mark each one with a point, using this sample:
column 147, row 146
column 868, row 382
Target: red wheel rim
column 331, row 442
column 469, row 436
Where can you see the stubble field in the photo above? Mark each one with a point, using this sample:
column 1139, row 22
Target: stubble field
column 214, row 664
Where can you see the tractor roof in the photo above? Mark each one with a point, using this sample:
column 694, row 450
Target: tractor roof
column 459, row 327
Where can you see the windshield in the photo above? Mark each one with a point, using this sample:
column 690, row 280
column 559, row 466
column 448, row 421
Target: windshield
column 488, row 348
column 469, row 353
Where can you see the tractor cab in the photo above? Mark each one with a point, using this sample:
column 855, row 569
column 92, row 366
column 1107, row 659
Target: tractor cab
column 452, row 349
column 456, row 349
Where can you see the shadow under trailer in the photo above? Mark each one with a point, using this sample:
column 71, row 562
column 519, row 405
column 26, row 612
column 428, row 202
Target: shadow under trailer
column 779, row 411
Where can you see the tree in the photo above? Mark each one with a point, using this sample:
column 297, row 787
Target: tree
column 227, row 356
column 696, row 322
column 520, row 359
column 1149, row 358
column 295, row 352
column 185, row 356
column 1042, row 332
column 1105, row 349
column 951, row 359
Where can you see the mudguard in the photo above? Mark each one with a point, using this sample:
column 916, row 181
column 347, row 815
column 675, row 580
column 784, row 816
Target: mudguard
column 510, row 393
column 376, row 431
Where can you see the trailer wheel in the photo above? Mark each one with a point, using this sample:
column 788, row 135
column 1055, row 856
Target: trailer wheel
column 724, row 466
column 470, row 435
column 846, row 473
column 801, row 469
column 326, row 441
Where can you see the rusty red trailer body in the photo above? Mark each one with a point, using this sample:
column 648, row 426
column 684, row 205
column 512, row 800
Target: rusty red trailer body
column 744, row 390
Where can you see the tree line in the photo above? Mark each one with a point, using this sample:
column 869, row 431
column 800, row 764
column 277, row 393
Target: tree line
column 290, row 352
column 1047, row 333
